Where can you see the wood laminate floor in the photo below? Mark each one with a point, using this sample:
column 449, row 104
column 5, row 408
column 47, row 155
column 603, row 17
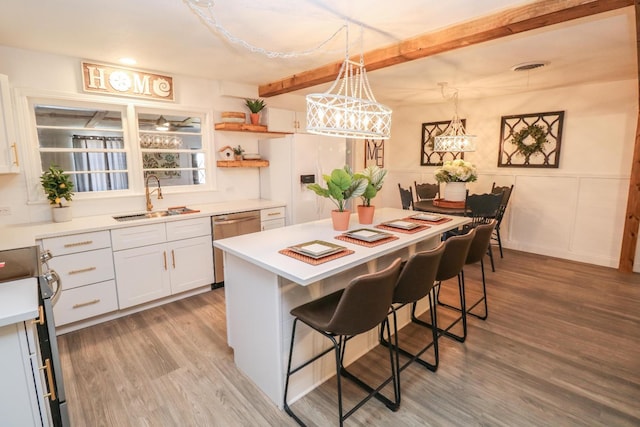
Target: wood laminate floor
column 561, row 347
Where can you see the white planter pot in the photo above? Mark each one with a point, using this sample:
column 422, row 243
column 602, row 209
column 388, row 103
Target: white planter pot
column 61, row 214
column 455, row 191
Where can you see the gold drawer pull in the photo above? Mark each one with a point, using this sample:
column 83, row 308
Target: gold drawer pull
column 82, row 270
column 173, row 259
column 52, row 390
column 71, row 245
column 164, row 255
column 40, row 319
column 14, row 147
column 84, row 304
column 273, row 213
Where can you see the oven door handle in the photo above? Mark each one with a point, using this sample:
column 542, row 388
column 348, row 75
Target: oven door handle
column 54, row 277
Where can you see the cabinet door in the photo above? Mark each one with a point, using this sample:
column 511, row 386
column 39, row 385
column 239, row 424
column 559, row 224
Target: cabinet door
column 142, row 274
column 271, row 224
column 191, row 263
column 18, row 393
column 9, row 162
column 279, row 120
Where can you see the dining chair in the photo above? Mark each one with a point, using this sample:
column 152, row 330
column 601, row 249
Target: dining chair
column 506, row 196
column 416, row 281
column 406, row 197
column 455, row 254
column 483, row 208
column 426, row 191
column 477, row 251
column 361, row 306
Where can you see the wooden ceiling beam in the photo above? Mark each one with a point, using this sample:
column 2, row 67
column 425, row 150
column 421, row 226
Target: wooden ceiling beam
column 632, row 215
column 491, row 27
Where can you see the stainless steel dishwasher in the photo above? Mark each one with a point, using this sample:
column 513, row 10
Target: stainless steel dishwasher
column 231, row 225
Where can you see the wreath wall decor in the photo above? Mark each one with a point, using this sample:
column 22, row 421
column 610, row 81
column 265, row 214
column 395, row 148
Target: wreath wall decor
column 430, row 130
column 531, row 140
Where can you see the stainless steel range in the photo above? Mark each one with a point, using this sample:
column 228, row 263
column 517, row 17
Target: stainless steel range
column 29, row 262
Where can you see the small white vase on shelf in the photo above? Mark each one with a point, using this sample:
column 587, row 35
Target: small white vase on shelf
column 61, row 214
column 455, row 191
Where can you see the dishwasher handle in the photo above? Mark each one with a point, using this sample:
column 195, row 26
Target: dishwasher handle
column 234, row 221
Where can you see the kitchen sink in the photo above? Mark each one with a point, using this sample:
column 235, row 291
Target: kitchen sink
column 180, row 210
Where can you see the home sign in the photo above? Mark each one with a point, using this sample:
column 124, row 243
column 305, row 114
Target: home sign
column 112, row 80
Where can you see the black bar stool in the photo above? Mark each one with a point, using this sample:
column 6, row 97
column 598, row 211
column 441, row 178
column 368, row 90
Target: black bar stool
column 416, row 281
column 360, row 307
column 455, row 254
column 477, row 251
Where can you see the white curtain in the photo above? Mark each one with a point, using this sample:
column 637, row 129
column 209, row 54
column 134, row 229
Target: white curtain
column 96, row 169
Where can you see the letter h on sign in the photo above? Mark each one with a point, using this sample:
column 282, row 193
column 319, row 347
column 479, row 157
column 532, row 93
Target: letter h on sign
column 373, row 152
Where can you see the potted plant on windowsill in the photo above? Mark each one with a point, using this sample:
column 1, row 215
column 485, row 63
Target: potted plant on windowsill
column 375, row 178
column 456, row 174
column 342, row 185
column 255, row 106
column 58, row 186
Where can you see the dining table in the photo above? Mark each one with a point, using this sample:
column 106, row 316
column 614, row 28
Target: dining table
column 427, row 205
column 264, row 281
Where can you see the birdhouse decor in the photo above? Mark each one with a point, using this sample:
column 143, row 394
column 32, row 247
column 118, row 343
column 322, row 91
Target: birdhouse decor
column 226, row 153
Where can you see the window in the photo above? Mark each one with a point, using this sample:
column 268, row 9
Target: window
column 87, row 143
column 171, row 148
column 111, row 147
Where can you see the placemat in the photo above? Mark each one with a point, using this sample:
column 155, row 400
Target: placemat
column 367, row 244
column 426, row 221
column 313, row 261
column 400, row 230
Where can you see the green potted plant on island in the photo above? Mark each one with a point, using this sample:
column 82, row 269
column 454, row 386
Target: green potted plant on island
column 58, row 186
column 375, row 178
column 342, row 185
column 456, row 174
column 255, row 106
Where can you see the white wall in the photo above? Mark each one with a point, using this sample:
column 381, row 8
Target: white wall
column 574, row 212
column 33, row 70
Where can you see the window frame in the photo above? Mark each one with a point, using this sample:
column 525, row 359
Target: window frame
column 26, row 99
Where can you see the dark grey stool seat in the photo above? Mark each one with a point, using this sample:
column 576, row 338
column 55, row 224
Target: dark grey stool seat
column 360, row 307
column 416, row 281
column 477, row 251
column 451, row 264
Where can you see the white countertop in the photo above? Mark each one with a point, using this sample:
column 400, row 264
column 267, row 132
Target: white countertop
column 22, row 235
column 262, row 248
column 18, row 301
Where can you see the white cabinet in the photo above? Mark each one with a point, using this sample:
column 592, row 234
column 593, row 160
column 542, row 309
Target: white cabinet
column 84, row 263
column 9, row 162
column 158, row 260
column 272, row 218
column 279, row 120
column 20, row 394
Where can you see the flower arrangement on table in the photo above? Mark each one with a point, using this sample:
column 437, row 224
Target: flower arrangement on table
column 456, row 171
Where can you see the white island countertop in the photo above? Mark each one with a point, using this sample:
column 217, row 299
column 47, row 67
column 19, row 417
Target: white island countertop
column 23, row 235
column 262, row 248
column 18, row 301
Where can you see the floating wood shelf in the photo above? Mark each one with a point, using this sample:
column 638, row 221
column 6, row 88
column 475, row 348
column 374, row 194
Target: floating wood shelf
column 243, row 127
column 243, row 163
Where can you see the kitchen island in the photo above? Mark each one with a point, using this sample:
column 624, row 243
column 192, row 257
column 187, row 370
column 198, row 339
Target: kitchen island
column 263, row 285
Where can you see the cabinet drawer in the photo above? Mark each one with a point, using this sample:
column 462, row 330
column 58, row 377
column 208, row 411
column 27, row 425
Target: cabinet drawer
column 142, row 235
column 188, row 228
column 273, row 213
column 85, row 302
column 271, row 224
column 83, row 268
column 77, row 243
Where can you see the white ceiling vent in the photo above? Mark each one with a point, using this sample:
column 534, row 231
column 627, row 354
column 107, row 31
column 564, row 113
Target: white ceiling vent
column 526, row 66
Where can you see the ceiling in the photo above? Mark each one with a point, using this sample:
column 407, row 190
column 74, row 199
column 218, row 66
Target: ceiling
column 168, row 36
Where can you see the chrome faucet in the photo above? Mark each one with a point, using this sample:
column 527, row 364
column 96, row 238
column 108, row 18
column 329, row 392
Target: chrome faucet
column 148, row 194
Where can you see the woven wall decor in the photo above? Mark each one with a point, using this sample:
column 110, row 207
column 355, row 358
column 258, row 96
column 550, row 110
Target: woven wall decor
column 531, row 140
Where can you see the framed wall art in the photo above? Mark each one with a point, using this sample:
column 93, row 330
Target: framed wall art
column 430, row 130
column 374, row 152
column 531, row 140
